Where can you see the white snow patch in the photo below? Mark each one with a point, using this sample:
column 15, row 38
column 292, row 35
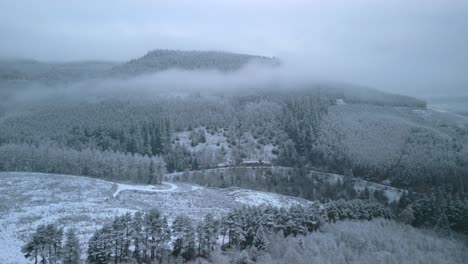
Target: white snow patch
column 194, row 188
column 254, row 198
column 340, row 102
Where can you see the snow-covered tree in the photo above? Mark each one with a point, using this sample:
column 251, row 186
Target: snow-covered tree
column 45, row 243
column 71, row 248
column 207, row 234
column 261, row 241
column 183, row 232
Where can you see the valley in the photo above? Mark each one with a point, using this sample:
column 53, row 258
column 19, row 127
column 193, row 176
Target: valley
column 216, row 161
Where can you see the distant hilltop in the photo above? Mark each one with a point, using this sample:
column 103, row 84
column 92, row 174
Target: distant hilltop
column 160, row 60
column 12, row 69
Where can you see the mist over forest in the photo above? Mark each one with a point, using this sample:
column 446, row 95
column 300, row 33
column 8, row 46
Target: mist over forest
column 233, row 132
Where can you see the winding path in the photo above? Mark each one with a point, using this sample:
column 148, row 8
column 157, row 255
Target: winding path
column 143, row 188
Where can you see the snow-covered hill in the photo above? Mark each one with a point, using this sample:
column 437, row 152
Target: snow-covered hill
column 30, row 199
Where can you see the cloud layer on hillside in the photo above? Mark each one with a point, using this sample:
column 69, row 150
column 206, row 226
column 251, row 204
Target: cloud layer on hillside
column 415, row 47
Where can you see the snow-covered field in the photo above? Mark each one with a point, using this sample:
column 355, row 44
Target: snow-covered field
column 30, row 199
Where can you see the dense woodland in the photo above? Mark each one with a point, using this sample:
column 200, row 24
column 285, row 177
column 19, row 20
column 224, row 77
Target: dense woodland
column 306, row 129
column 109, row 165
column 244, row 235
column 135, row 139
column 145, row 237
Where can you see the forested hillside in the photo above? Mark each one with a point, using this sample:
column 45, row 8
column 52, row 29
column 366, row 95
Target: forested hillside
column 160, row 60
column 306, row 128
column 51, row 72
column 360, row 152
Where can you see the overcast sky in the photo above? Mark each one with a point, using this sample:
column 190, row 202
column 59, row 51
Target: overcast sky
column 405, row 46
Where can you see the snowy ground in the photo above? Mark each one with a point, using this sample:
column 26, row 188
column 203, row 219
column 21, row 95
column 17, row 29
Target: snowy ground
column 217, row 140
column 213, row 141
column 30, row 199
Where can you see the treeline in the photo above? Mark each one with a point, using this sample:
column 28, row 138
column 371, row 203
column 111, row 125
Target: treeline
column 357, row 242
column 145, row 138
column 443, row 209
column 146, row 237
column 108, row 165
column 117, row 125
column 245, row 233
column 311, row 185
column 47, row 245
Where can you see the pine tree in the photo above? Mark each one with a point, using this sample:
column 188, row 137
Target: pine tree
column 163, row 239
column 117, row 237
column 193, row 138
column 137, row 235
column 100, row 246
column 127, row 229
column 287, row 154
column 232, row 227
column 55, row 244
column 207, row 235
column 45, row 243
column 71, row 249
column 153, row 175
column 139, row 145
column 31, row 249
column 201, row 135
column 153, row 227
column 407, row 215
column 147, row 144
column 184, row 235
column 261, row 241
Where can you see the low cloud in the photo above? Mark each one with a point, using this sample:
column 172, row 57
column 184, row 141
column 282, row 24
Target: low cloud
column 410, row 47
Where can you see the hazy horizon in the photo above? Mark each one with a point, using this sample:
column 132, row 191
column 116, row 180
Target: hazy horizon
column 415, row 48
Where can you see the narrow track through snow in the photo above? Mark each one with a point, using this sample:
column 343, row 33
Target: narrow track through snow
column 143, row 188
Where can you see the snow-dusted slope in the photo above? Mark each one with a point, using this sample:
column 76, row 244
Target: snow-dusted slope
column 30, row 199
